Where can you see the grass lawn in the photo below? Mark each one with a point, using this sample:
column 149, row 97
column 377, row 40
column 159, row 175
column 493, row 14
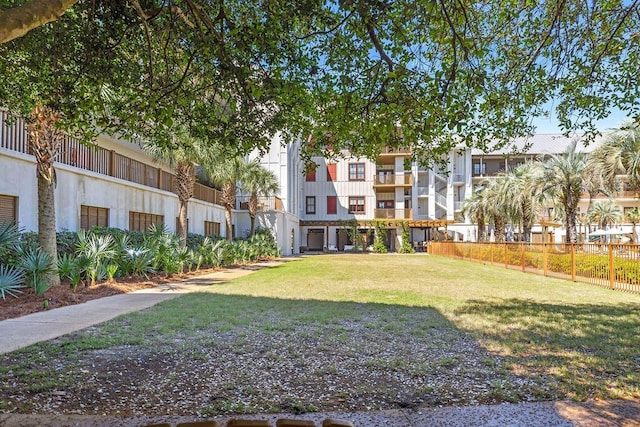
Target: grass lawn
column 343, row 332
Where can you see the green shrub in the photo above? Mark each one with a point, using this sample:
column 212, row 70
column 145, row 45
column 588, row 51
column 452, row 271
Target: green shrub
column 11, row 280
column 36, row 265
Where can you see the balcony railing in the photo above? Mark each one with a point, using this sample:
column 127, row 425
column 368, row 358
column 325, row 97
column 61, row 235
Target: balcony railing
column 100, row 160
column 441, row 200
column 395, row 150
column 264, row 203
column 392, row 213
column 393, row 179
column 458, row 177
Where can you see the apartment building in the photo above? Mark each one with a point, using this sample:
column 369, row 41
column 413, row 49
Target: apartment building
column 115, row 183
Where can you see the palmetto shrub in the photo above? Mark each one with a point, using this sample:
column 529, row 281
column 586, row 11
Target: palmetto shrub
column 37, row 265
column 11, row 280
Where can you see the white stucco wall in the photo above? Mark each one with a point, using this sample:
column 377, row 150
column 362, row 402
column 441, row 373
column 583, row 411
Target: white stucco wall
column 78, row 187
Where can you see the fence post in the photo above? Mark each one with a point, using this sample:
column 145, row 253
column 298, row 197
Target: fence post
column 612, row 272
column 522, row 255
column 506, row 258
column 545, row 258
column 573, row 262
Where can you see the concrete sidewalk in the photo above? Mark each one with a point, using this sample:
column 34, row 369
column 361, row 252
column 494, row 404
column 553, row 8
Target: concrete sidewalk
column 45, row 325
column 623, row 413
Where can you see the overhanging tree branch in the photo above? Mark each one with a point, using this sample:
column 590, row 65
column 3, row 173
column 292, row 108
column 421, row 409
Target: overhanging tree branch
column 19, row 20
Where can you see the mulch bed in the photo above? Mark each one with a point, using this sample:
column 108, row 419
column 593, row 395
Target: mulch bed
column 62, row 295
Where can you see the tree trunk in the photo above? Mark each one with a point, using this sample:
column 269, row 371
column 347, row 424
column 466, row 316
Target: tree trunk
column 45, row 141
column 253, row 211
column 229, row 203
column 482, row 230
column 185, row 182
column 47, row 238
column 499, row 223
column 182, row 220
column 227, row 217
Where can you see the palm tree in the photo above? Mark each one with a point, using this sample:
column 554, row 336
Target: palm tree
column 182, row 157
column 494, row 206
column 619, row 154
column 258, row 181
column 45, row 141
column 564, row 176
column 521, row 197
column 226, row 172
column 604, row 214
column 633, row 216
column 473, row 207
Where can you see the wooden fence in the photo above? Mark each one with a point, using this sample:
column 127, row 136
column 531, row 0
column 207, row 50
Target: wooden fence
column 91, row 157
column 613, row 266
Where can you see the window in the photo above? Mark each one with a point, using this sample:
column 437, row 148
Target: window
column 311, row 173
column 311, row 205
column 332, row 205
column 356, row 204
column 211, row 228
column 8, row 209
column 356, row 171
column 92, row 216
column 140, row 221
column 478, row 170
column 331, row 172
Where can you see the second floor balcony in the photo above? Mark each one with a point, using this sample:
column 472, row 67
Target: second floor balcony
column 392, row 214
column 392, row 180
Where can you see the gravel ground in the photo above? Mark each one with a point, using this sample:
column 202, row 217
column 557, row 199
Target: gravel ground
column 271, row 366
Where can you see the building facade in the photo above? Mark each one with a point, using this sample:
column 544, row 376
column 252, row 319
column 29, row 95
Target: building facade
column 327, row 208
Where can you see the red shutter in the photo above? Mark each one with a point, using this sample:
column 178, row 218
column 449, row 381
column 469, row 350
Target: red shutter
column 311, row 175
column 332, row 205
column 331, row 172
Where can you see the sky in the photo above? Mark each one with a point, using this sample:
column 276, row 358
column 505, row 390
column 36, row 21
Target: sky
column 551, row 125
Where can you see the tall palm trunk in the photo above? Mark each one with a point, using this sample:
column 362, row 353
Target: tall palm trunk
column 527, row 220
column 253, row 211
column 499, row 222
column 185, row 182
column 482, row 229
column 45, row 142
column 229, row 203
column 570, row 217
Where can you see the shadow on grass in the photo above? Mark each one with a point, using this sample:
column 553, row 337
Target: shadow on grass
column 226, row 354
column 582, row 351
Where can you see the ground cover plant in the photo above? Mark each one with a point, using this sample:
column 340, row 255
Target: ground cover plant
column 342, row 332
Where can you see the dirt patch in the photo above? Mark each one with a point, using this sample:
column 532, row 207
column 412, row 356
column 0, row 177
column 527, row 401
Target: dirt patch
column 62, row 295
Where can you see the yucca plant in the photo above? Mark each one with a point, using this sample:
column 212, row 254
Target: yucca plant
column 9, row 242
column 71, row 268
column 98, row 250
column 37, row 265
column 11, row 281
column 139, row 262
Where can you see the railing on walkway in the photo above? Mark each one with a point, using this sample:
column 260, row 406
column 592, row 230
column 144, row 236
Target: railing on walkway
column 613, row 266
column 13, row 136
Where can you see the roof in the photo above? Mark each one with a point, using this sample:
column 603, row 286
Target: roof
column 542, row 143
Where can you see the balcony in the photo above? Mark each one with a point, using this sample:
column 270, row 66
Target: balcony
column 459, row 178
column 392, row 180
column 392, row 213
column 264, row 203
column 441, row 200
column 395, row 151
